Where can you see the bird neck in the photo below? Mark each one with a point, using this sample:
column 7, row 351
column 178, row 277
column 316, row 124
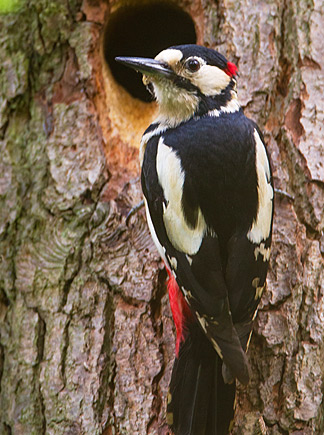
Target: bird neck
column 225, row 102
column 165, row 120
column 174, row 111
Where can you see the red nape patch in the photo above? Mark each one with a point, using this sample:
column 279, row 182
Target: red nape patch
column 180, row 310
column 231, row 69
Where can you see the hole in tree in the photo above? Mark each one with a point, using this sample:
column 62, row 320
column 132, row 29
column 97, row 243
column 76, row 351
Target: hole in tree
column 144, row 30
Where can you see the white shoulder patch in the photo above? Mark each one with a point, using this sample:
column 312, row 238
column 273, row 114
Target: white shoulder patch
column 171, row 178
column 261, row 226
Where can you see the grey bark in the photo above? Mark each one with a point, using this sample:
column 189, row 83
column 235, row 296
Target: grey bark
column 87, row 339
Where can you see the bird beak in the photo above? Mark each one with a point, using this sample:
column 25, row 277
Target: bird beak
column 147, row 66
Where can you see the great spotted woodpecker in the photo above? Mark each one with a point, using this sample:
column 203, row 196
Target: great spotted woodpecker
column 208, row 191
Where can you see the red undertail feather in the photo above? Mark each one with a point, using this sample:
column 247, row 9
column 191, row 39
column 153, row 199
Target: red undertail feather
column 180, row 310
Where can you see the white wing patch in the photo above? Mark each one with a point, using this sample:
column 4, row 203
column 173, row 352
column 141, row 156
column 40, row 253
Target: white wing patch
column 262, row 250
column 261, row 226
column 171, row 178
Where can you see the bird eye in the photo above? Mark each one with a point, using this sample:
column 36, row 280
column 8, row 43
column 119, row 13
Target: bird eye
column 192, row 65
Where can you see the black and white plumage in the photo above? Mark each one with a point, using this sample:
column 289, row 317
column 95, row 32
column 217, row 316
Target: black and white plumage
column 208, row 191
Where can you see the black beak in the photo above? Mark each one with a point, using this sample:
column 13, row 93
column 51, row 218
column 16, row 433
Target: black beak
column 147, row 66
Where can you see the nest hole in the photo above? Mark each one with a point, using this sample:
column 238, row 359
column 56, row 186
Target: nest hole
column 143, row 30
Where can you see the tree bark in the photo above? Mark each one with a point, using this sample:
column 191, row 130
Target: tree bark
column 87, row 339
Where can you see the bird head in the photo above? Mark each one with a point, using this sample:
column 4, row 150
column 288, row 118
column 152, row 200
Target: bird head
column 187, row 80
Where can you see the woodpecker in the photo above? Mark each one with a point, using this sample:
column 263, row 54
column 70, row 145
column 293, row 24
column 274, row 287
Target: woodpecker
column 208, row 194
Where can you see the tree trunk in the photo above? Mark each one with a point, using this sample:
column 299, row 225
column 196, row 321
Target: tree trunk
column 87, row 340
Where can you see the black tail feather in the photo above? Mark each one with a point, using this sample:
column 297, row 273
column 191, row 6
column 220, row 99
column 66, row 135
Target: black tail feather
column 200, row 403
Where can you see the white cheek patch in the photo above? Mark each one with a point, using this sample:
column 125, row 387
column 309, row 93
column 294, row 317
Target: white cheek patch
column 261, row 226
column 171, row 56
column 171, row 178
column 211, row 80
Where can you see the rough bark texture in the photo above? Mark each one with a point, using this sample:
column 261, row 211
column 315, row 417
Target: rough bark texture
column 87, row 338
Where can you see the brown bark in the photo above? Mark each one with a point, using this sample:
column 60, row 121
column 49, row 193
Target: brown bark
column 87, row 342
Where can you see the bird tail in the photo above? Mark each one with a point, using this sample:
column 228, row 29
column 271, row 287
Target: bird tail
column 199, row 402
